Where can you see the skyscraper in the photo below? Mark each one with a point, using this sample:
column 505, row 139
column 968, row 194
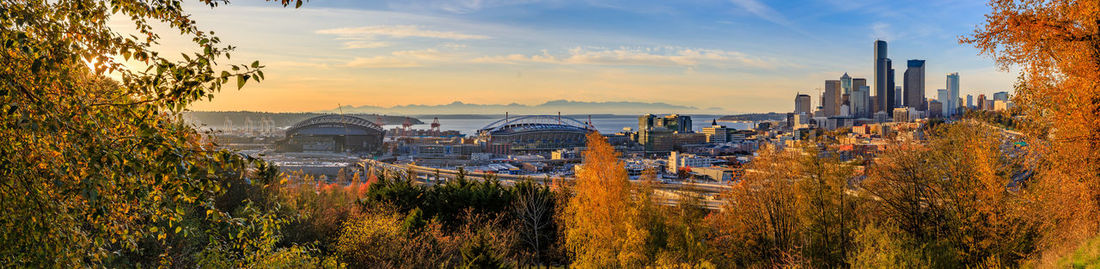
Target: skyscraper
column 881, row 70
column 898, row 97
column 831, row 100
column 914, row 85
column 944, row 96
column 864, row 103
column 846, row 83
column 1000, row 96
column 981, row 102
column 802, row 104
column 969, row 101
column 953, row 89
column 891, row 97
column 861, row 99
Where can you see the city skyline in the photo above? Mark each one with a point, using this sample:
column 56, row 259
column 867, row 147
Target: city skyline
column 743, row 56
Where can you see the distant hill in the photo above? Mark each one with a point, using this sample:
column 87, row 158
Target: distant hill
column 551, row 107
column 217, row 119
column 755, row 117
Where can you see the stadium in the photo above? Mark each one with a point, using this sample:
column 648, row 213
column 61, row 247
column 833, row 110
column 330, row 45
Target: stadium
column 533, row 134
column 332, row 133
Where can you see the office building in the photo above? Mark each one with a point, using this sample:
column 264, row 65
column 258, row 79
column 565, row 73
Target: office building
column 981, row 102
column 802, row 104
column 902, row 114
column 716, row 133
column 881, row 70
column 952, row 104
column 846, row 83
column 677, row 160
column 861, row 97
column 898, row 97
column 944, row 96
column 891, row 97
column 831, row 99
column 935, row 109
column 1000, row 96
column 865, row 104
column 914, row 85
column 969, row 101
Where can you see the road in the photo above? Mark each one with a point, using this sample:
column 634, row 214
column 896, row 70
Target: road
column 670, row 192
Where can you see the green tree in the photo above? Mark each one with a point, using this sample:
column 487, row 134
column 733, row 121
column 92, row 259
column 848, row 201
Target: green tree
column 94, row 166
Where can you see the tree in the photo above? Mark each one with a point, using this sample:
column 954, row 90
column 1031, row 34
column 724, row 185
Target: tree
column 951, row 197
column 601, row 219
column 534, row 212
column 1056, row 45
column 760, row 224
column 94, row 166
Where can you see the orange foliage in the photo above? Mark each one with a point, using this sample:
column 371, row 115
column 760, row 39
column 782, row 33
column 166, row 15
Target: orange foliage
column 1056, row 44
column 602, row 218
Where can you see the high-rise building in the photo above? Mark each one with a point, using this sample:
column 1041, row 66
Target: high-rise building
column 846, row 83
column 1000, row 96
column 935, row 109
column 981, row 102
column 675, row 122
column 898, row 100
column 953, row 89
column 969, row 101
column 857, row 83
column 645, row 122
column 891, row 96
column 831, row 99
column 914, row 85
column 944, row 96
column 881, row 71
column 861, row 101
column 802, row 104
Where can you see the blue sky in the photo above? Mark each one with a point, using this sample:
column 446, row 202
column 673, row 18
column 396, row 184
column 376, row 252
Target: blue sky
column 732, row 56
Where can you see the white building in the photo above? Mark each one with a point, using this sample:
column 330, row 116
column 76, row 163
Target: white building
column 676, row 160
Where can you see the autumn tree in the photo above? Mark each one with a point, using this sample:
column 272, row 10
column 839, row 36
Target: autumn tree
column 99, row 171
column 760, row 224
column 955, row 198
column 828, row 210
column 601, row 219
column 1056, row 46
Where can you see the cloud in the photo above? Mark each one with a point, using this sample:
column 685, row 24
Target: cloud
column 395, row 31
column 881, row 30
column 664, row 56
column 456, row 6
column 401, row 59
column 763, row 11
column 382, row 62
column 298, row 64
column 364, row 44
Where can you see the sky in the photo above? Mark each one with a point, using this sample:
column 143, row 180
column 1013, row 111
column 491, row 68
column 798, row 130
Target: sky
column 732, row 56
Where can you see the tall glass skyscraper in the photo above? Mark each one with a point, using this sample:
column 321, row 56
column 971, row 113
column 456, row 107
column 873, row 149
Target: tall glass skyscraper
column 846, row 83
column 953, row 89
column 881, row 70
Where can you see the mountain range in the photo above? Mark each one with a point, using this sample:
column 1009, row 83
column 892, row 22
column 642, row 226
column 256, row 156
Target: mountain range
column 550, row 107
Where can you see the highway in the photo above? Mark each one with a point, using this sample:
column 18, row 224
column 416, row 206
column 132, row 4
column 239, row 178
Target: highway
column 670, row 192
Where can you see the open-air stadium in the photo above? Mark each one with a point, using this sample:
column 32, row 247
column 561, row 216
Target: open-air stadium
column 535, row 133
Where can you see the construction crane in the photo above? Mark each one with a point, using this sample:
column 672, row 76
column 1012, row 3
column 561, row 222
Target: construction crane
column 435, row 126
